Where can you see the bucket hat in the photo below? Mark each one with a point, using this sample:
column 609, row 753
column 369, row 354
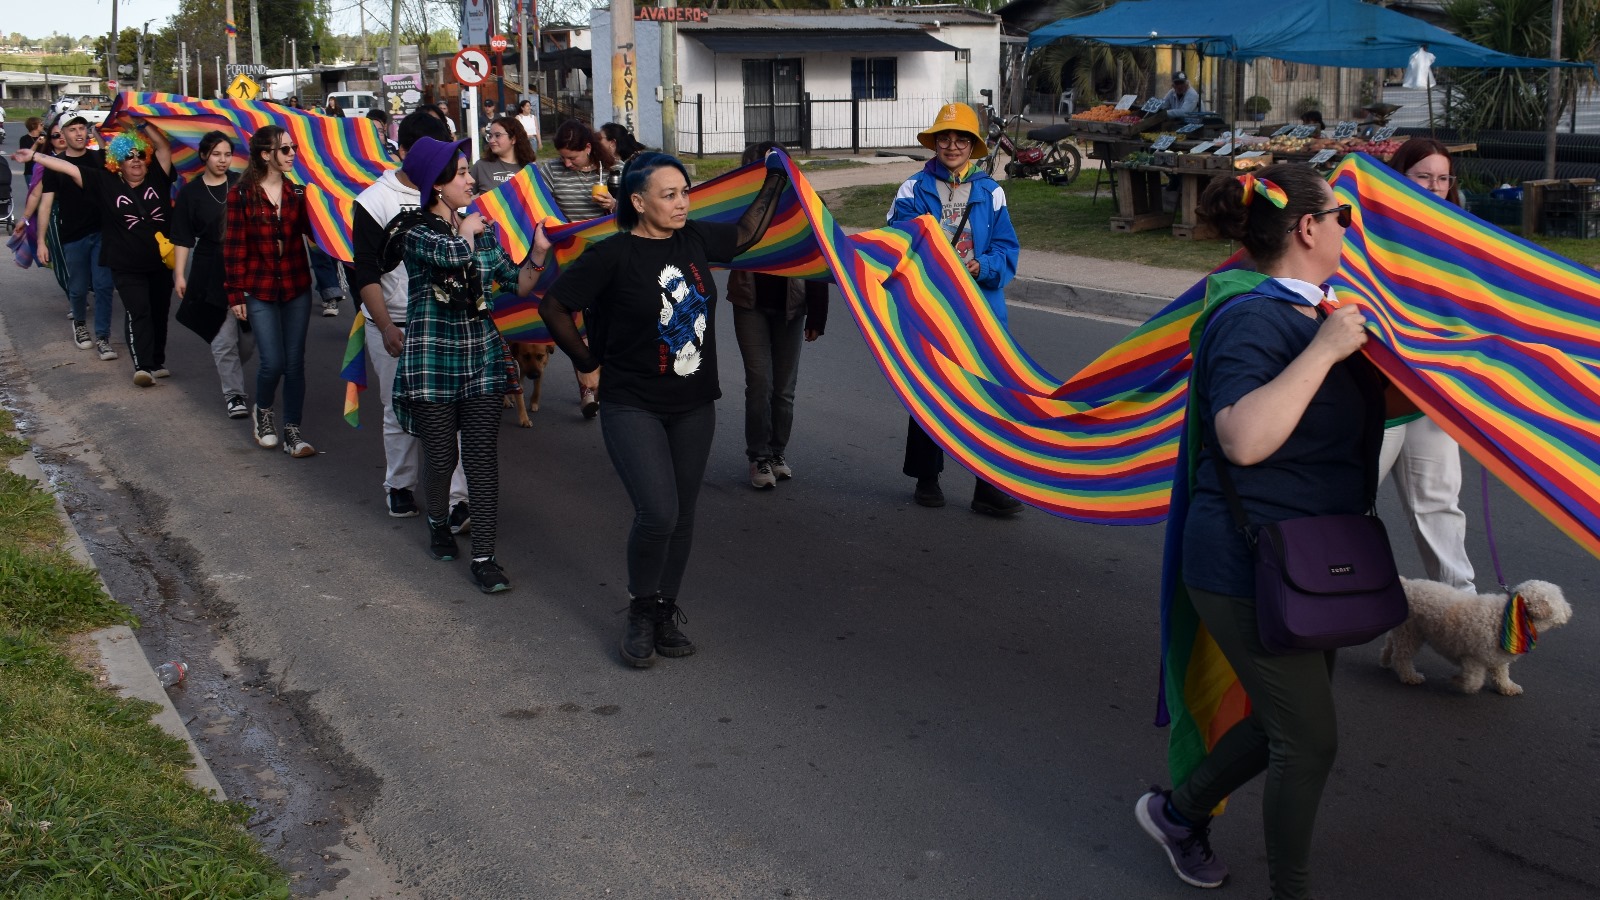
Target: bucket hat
column 427, row 158
column 955, row 117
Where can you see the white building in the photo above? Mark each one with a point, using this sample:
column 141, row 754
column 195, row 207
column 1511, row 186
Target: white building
column 807, row 78
column 36, row 89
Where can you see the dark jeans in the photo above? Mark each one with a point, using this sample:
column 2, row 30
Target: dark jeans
column 1292, row 734
column 147, row 301
column 661, row 459
column 83, row 269
column 771, row 350
column 280, row 330
column 924, row 458
column 326, row 270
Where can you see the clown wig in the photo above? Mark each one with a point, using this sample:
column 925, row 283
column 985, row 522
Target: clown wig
column 124, row 145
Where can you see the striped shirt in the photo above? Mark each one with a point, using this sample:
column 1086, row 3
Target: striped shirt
column 573, row 190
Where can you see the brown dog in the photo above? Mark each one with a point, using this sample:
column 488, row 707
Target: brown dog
column 531, row 360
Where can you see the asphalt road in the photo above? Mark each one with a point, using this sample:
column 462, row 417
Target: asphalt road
column 888, row 701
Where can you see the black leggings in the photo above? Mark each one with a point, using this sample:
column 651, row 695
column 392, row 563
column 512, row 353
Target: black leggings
column 477, row 422
column 147, row 299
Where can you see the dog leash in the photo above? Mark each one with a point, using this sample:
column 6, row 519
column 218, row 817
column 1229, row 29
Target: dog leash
column 1517, row 632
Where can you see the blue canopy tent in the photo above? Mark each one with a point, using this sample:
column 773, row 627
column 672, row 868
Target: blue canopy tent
column 1343, row 33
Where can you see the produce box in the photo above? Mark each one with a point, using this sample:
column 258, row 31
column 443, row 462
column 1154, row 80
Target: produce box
column 1193, row 161
column 1164, row 158
column 1583, row 225
column 1572, row 198
column 1147, row 123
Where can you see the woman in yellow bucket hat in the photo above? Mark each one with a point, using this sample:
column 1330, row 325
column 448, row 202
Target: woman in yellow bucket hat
column 971, row 208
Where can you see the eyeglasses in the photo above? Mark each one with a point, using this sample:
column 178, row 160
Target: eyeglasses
column 1342, row 209
column 1431, row 180
column 286, row 149
column 498, row 135
column 945, row 141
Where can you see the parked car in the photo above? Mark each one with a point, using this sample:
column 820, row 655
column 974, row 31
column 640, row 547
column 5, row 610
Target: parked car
column 354, row 102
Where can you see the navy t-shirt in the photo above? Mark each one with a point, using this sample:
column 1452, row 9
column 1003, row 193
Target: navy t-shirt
column 1322, row 469
column 651, row 311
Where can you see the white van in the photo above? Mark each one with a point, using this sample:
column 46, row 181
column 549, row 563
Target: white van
column 354, row 103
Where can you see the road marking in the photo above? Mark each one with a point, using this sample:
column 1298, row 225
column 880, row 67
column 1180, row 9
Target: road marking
column 1095, row 317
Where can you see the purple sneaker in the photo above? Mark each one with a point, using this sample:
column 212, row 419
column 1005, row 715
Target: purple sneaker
column 1188, row 847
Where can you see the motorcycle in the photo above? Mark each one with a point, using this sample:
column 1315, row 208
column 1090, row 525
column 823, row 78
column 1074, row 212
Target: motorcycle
column 1050, row 153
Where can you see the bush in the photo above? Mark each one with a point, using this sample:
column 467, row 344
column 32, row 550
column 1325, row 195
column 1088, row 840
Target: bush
column 1306, row 104
column 1258, row 105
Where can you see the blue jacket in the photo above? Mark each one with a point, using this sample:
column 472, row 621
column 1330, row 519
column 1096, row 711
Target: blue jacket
column 993, row 240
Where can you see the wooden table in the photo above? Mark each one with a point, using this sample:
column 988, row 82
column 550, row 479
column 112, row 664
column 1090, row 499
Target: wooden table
column 1140, row 206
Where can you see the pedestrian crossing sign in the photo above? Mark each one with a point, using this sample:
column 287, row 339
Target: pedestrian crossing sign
column 244, row 88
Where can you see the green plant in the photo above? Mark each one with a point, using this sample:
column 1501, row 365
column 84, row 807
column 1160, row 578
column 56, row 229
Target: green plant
column 1257, row 105
column 1368, row 91
column 1306, row 104
column 1515, row 98
column 1088, row 67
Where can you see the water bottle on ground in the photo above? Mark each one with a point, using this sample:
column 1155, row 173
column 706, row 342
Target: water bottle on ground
column 170, row 673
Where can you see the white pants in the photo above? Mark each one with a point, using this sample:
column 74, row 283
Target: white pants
column 1427, row 472
column 402, row 452
column 231, row 349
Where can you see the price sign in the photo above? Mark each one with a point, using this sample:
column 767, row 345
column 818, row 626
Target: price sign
column 1321, row 157
column 1344, row 130
column 1226, row 136
column 1201, row 148
column 1383, row 134
column 1163, row 142
column 1127, row 101
column 1190, row 128
column 1283, row 131
column 1303, row 131
column 1252, row 154
column 1153, row 105
column 1225, row 149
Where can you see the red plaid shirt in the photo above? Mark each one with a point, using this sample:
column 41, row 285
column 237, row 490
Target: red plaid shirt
column 262, row 251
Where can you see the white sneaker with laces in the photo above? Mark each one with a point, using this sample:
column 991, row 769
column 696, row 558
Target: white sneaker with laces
column 761, row 477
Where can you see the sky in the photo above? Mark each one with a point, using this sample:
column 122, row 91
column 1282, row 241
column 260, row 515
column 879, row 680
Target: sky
column 37, row 18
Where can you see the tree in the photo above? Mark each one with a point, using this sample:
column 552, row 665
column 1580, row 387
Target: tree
column 1515, row 99
column 1092, row 70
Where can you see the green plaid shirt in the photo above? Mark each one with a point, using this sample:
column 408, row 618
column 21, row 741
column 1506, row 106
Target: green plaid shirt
column 449, row 354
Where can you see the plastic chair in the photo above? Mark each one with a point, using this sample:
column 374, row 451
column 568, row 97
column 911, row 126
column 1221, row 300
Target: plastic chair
column 1064, row 105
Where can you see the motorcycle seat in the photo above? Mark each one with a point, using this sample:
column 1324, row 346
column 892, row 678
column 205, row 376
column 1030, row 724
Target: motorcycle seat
column 1050, row 133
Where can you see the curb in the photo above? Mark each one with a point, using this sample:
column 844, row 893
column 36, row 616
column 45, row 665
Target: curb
column 122, row 659
column 1121, row 306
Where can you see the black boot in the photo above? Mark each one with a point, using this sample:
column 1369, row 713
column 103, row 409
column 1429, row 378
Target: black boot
column 669, row 640
column 928, row 492
column 639, row 638
column 990, row 500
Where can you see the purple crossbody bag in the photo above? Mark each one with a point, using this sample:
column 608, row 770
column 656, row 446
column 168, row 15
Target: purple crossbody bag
column 1322, row 582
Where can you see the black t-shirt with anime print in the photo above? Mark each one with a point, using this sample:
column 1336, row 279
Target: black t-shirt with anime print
column 650, row 310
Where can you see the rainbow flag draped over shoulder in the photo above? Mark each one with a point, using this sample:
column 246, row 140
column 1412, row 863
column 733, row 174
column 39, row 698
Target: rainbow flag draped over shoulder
column 1495, row 338
column 337, row 158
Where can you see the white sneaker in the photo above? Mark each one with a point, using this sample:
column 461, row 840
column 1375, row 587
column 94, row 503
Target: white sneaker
column 80, row 336
column 143, row 378
column 162, row 373
column 330, row 307
column 103, row 347
column 294, row 445
column 781, row 468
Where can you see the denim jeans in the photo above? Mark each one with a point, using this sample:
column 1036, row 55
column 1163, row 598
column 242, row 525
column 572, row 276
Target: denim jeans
column 326, row 271
column 661, row 459
column 771, row 350
column 83, row 271
column 280, row 330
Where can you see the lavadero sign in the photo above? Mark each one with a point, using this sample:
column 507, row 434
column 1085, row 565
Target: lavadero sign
column 670, row 14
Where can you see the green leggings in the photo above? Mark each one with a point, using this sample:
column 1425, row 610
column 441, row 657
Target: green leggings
column 1292, row 734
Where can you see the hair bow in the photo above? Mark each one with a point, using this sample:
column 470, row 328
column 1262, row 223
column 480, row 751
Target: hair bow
column 1263, row 186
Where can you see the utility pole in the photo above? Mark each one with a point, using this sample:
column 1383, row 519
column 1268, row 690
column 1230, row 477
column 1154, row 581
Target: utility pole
column 522, row 65
column 255, row 35
column 1552, row 111
column 183, row 80
column 199, row 74
column 233, row 33
column 112, row 72
column 669, row 81
column 394, row 37
column 144, row 38
column 624, row 67
column 294, row 67
column 363, row 6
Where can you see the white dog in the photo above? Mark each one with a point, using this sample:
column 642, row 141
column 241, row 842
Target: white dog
column 1465, row 628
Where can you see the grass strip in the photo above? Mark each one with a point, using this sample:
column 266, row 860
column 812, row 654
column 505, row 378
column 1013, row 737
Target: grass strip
column 93, row 799
column 1068, row 220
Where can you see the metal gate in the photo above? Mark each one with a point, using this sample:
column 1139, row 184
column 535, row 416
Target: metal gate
column 773, row 101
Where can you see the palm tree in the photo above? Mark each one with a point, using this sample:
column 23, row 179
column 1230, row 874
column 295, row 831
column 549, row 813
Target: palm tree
column 1515, row 98
column 1091, row 70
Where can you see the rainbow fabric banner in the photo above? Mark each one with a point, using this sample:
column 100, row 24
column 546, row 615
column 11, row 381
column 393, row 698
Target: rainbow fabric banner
column 353, row 368
column 231, row 29
column 1495, row 338
column 337, row 158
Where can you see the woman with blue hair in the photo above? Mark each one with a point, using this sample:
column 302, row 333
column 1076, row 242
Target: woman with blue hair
column 648, row 290
column 134, row 197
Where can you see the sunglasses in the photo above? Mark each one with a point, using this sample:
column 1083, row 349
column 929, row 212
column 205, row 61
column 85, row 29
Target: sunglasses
column 57, row 136
column 286, row 149
column 1342, row 209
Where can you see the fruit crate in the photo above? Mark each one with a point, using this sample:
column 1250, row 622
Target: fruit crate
column 1581, row 225
column 1572, row 198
